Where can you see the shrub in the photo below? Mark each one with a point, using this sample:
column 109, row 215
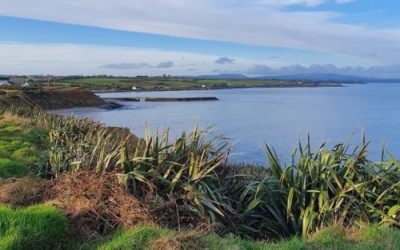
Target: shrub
column 184, row 176
column 80, row 144
column 318, row 188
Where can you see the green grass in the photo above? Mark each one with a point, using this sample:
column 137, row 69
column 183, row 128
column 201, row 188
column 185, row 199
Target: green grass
column 11, row 168
column 334, row 237
column 138, row 238
column 35, row 227
column 20, row 148
column 368, row 237
column 160, row 83
column 43, row 227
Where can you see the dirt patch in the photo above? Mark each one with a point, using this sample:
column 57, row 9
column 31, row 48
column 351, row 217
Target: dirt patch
column 96, row 205
column 22, row 192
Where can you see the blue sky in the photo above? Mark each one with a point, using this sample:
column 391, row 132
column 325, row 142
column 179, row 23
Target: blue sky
column 124, row 37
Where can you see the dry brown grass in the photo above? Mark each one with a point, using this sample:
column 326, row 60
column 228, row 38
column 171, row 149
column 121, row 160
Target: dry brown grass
column 96, row 205
column 187, row 239
column 171, row 215
column 22, row 192
column 350, row 234
column 9, row 117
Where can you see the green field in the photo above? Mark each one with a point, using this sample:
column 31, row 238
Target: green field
column 172, row 83
column 20, row 147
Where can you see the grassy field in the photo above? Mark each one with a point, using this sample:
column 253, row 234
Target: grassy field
column 160, row 83
column 20, row 146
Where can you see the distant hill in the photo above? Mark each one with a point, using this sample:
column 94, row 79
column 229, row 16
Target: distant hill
column 317, row 77
column 224, row 77
column 295, row 77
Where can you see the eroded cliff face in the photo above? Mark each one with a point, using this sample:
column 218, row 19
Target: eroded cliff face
column 50, row 98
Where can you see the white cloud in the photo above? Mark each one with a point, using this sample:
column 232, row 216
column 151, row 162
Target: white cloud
column 223, row 21
column 67, row 59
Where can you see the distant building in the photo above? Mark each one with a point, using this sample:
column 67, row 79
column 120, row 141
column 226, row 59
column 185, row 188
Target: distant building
column 142, row 77
column 17, row 81
column 21, row 81
column 4, row 81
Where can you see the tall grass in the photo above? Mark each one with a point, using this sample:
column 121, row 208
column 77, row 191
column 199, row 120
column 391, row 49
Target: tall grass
column 183, row 175
column 186, row 172
column 81, row 144
column 319, row 188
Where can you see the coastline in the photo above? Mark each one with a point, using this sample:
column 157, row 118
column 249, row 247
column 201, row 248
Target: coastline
column 333, row 85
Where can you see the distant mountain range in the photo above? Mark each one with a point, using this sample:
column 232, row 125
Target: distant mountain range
column 302, row 77
column 225, row 77
column 317, row 77
column 296, row 77
column 316, row 72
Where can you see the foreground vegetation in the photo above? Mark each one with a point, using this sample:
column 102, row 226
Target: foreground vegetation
column 104, row 188
column 44, row 227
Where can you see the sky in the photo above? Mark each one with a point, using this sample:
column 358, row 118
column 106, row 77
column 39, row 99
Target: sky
column 197, row 37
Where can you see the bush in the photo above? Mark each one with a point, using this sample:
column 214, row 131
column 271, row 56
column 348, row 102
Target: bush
column 35, row 227
column 335, row 184
column 184, row 177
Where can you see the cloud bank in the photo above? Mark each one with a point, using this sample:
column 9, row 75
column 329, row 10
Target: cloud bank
column 69, row 59
column 383, row 71
column 234, row 21
column 125, row 66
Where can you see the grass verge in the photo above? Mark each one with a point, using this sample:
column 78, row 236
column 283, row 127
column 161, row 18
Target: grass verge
column 335, row 237
column 35, row 227
column 20, row 146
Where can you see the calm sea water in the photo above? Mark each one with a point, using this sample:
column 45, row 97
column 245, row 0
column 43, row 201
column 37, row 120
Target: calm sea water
column 277, row 116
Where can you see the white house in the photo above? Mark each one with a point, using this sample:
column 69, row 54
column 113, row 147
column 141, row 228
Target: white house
column 4, row 83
